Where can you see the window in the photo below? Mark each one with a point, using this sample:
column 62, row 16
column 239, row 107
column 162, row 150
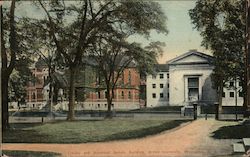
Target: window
column 168, row 85
column 193, row 89
column 168, row 95
column 129, row 95
column 231, row 94
column 161, row 85
column 231, row 83
column 240, row 84
column 161, row 76
column 223, row 94
column 122, row 78
column 99, row 95
column 33, row 96
column 106, row 94
column 129, row 77
column 98, row 105
column 33, row 83
column 154, row 95
column 154, row 85
column 240, row 94
column 168, row 75
column 122, row 95
column 161, row 95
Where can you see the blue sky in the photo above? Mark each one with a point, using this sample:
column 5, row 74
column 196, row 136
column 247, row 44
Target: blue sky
column 181, row 37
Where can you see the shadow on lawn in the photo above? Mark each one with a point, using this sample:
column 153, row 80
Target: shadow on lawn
column 145, row 131
column 24, row 133
column 19, row 153
column 232, row 132
column 18, row 130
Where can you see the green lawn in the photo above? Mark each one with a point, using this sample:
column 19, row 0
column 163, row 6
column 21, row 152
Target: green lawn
column 19, row 153
column 86, row 131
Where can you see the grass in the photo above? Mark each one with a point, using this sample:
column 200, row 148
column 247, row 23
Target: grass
column 86, row 131
column 19, row 153
column 232, row 132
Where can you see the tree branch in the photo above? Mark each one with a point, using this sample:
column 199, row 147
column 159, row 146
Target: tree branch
column 52, row 33
column 13, row 42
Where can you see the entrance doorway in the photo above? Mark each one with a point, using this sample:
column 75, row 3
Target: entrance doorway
column 193, row 89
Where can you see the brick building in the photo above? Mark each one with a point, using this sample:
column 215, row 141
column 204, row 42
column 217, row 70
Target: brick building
column 126, row 94
column 89, row 94
column 36, row 95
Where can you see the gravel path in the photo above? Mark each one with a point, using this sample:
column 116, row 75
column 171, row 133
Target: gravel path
column 189, row 140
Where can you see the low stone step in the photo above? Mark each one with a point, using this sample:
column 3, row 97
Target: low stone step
column 246, row 142
column 238, row 148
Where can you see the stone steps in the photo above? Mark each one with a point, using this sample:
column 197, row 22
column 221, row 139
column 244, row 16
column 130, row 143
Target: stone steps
column 242, row 147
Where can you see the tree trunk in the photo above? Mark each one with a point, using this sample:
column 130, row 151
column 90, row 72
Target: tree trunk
column 220, row 91
column 5, row 107
column 71, row 113
column 246, row 94
column 7, row 69
column 109, row 101
column 50, row 90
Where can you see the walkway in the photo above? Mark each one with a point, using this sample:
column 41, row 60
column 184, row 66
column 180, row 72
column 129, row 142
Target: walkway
column 191, row 140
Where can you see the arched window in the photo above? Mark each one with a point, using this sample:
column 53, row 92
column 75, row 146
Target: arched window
column 33, row 96
column 129, row 77
column 129, row 94
column 122, row 95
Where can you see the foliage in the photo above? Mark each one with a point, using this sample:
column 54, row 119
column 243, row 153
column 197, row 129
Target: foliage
column 75, row 26
column 222, row 25
column 15, row 53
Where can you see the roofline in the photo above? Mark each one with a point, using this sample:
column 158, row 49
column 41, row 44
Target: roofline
column 187, row 54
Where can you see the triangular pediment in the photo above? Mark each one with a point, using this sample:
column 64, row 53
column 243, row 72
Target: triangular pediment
column 191, row 58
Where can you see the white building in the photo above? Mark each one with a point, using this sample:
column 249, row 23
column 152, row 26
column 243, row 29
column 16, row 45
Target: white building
column 158, row 87
column 187, row 79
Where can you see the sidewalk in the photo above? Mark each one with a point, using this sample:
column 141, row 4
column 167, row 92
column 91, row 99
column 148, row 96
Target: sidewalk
column 190, row 140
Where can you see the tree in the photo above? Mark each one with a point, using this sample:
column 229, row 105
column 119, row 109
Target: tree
column 19, row 79
column 85, row 19
column 8, row 57
column 222, row 25
column 113, row 55
column 15, row 52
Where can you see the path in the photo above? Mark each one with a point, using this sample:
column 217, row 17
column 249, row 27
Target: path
column 191, row 140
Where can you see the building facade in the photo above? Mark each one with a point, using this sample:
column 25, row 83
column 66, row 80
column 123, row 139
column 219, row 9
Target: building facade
column 36, row 93
column 90, row 94
column 158, row 87
column 189, row 80
column 126, row 93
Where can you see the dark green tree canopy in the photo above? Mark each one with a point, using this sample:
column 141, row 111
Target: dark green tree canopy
column 222, row 25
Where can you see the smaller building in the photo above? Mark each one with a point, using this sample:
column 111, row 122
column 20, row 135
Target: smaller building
column 158, row 87
column 232, row 94
column 187, row 79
